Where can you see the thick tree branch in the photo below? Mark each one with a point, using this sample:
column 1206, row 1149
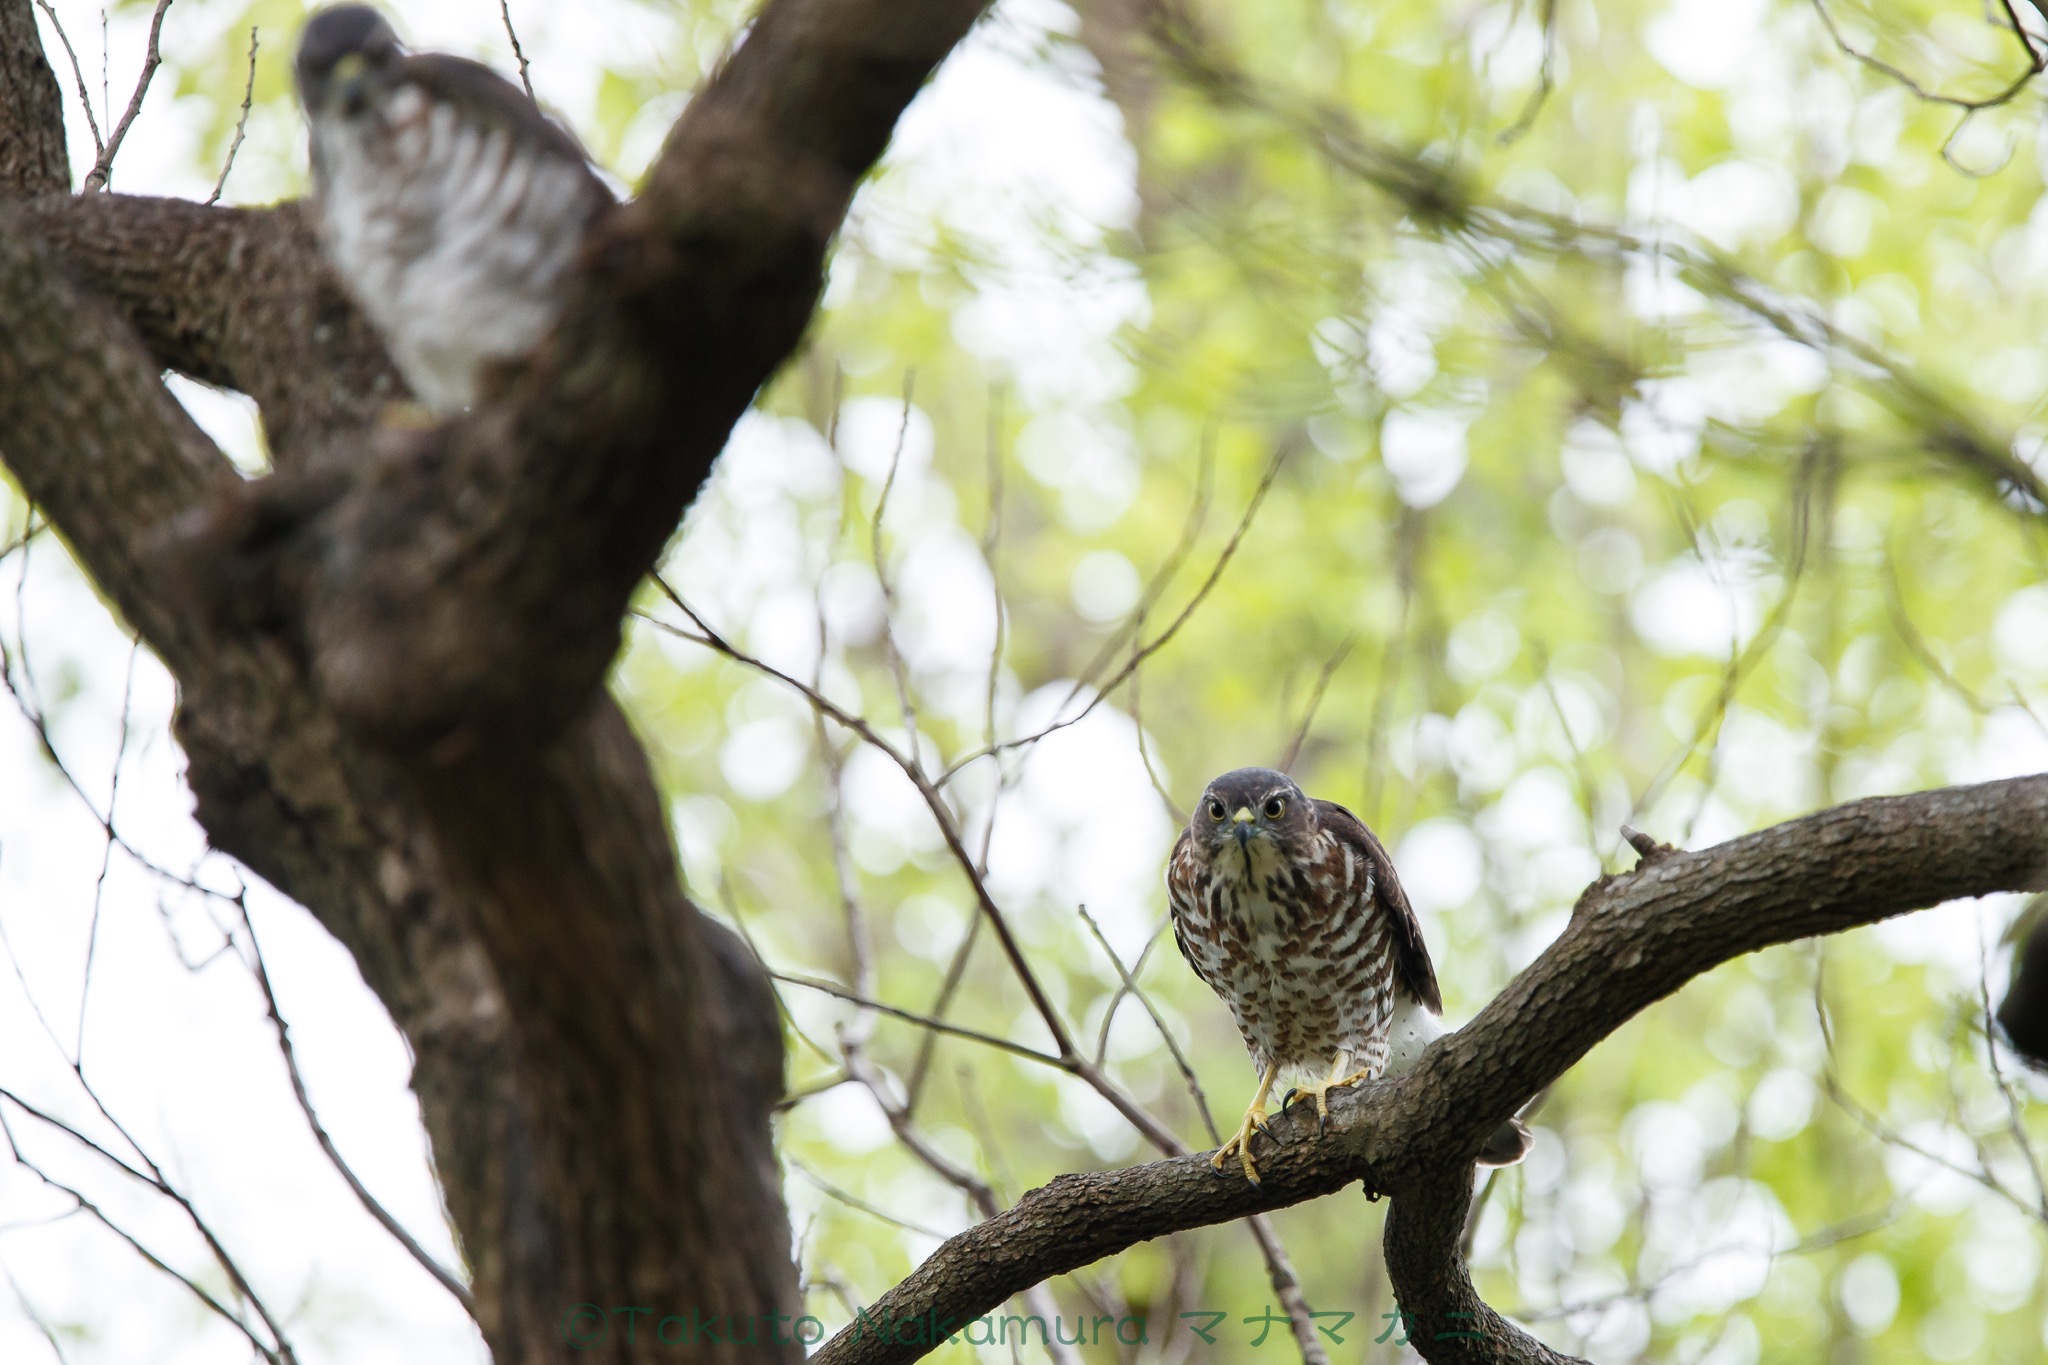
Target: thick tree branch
column 1632, row 940
column 32, row 155
column 93, row 435
column 237, row 298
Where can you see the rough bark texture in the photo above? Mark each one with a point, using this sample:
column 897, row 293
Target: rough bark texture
column 1632, row 940
column 32, row 157
column 390, row 651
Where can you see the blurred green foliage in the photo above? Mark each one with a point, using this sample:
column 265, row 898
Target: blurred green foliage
column 1652, row 402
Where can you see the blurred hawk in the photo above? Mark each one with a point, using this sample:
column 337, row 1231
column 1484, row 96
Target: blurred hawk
column 1290, row 910
column 446, row 201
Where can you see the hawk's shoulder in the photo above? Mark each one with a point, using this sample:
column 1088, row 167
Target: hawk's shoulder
column 1412, row 966
column 474, row 87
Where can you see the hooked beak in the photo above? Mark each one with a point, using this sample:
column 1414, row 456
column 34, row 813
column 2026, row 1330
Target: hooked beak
column 350, row 85
column 1243, row 821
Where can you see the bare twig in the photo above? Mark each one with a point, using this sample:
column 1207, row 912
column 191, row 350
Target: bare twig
column 281, row 1352
column 241, row 124
column 2015, row 1107
column 1162, row 577
column 1315, row 700
column 1410, row 536
column 99, row 146
column 956, row 971
column 1871, row 1123
column 2034, row 63
column 1916, row 643
column 525, row 78
column 854, row 1201
column 29, row 1310
column 447, row 1278
column 991, row 547
column 1148, row 648
column 924, row 1021
column 1131, row 988
column 1545, row 79
column 898, row 667
column 1137, row 696
column 103, row 169
column 1648, row 849
column 1287, row 1287
column 99, row 888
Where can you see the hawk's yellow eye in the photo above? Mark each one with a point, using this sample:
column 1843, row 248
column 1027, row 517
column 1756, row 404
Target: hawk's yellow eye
column 1215, row 810
column 1275, row 808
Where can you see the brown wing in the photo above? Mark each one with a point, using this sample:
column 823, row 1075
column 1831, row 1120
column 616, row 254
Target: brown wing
column 1411, row 955
column 1180, row 870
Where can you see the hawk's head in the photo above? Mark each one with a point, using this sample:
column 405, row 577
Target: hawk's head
column 1252, row 820
column 345, row 54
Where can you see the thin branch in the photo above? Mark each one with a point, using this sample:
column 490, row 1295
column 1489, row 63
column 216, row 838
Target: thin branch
column 525, row 77
column 2034, row 62
column 1315, row 700
column 1151, row 647
column 898, row 667
column 99, row 146
column 1823, row 1239
column 1545, row 79
column 1838, row 1092
column 241, row 124
column 2015, row 1107
column 29, row 1310
column 1916, row 643
column 99, row 889
column 1742, row 658
column 854, row 1201
column 1162, row 577
column 956, row 971
column 1166, row 801
column 1130, row 987
column 281, row 1353
column 991, row 547
column 103, row 169
column 924, row 1021
column 447, row 1278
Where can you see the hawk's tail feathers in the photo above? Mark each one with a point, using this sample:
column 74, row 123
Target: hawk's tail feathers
column 1509, row 1144
column 1414, row 1027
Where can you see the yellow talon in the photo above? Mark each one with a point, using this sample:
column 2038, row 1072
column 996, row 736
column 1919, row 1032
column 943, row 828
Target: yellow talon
column 1254, row 1121
column 1337, row 1080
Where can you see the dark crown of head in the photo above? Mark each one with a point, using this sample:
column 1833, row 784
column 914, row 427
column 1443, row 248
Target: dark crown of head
column 1250, row 786
column 333, row 34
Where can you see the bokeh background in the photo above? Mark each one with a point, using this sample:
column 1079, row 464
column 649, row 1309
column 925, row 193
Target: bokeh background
column 1519, row 419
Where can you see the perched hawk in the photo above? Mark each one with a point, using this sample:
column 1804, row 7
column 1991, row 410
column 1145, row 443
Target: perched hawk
column 449, row 204
column 1290, row 910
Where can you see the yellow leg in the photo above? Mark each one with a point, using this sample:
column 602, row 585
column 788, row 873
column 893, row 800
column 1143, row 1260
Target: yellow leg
column 1254, row 1121
column 1336, row 1080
